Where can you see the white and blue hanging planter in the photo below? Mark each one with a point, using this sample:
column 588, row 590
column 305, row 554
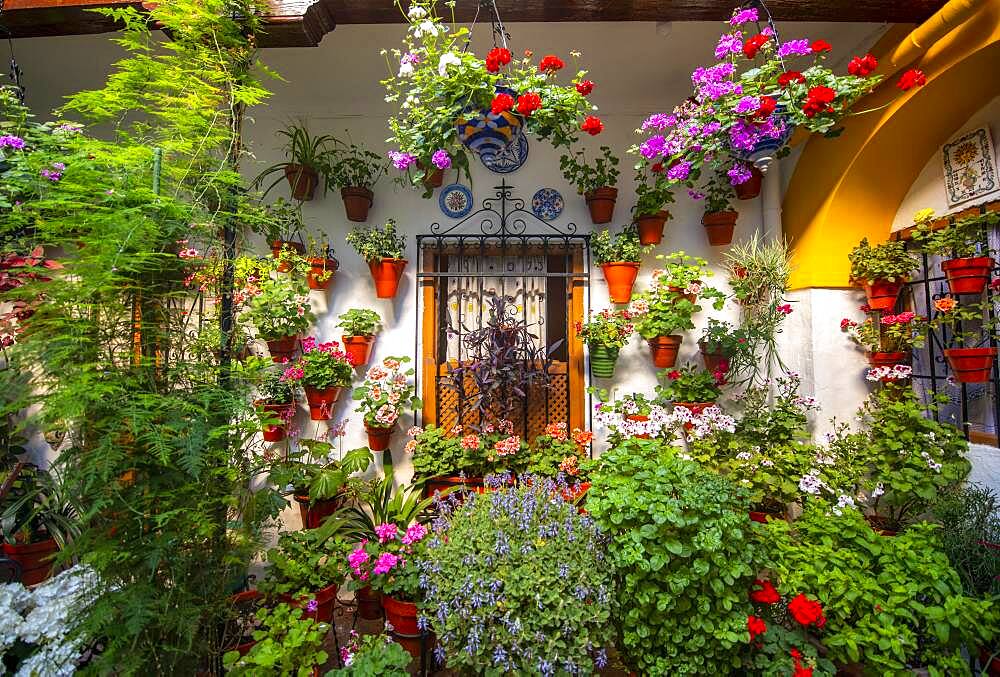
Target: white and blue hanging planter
column 766, row 150
column 487, row 133
column 509, row 159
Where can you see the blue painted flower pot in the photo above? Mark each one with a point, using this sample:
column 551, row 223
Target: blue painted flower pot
column 486, row 133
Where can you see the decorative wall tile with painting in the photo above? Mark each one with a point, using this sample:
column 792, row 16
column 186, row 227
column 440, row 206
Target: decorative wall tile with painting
column 970, row 167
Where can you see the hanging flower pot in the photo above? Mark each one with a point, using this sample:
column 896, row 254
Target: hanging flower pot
column 713, row 360
column 971, row 365
column 880, row 359
column 620, row 276
column 282, row 349
column 694, row 407
column 681, row 294
column 750, row 188
column 602, row 361
column 357, row 201
column 387, row 274
column 432, row 179
column 665, row 350
column 321, row 402
column 638, row 418
column 359, row 348
column 369, row 603
column 314, row 512
column 284, row 412
column 35, row 559
column 968, row 276
column 302, row 180
column 321, row 272
column 651, row 226
column 378, row 437
column 601, row 202
column 487, row 133
column 882, row 294
column 278, row 245
column 719, row 227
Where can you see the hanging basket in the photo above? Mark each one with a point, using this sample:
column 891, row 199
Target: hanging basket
column 601, row 203
column 620, row 276
column 387, row 274
column 968, row 275
column 487, row 133
column 664, row 350
column 882, row 294
column 359, row 348
column 650, row 227
column 766, row 150
column 971, row 365
column 357, row 201
column 719, row 227
column 602, row 361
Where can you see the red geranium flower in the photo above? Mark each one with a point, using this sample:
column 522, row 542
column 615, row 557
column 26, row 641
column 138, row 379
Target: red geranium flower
column 912, row 78
column 550, row 64
column 801, row 671
column 502, row 103
column 585, row 87
column 766, row 107
column 673, row 375
column 821, row 46
column 806, row 611
column 862, row 66
column 528, row 103
column 497, row 57
column 753, row 45
column 767, row 593
column 818, row 100
column 756, row 626
column 658, row 167
column 592, row 125
column 788, row 77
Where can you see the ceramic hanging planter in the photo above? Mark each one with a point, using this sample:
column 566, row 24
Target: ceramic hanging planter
column 357, row 201
column 968, row 275
column 302, row 180
column 282, row 349
column 320, row 273
column 971, row 365
column 882, row 294
column 378, row 437
column 487, row 133
column 359, row 348
column 664, row 350
column 387, row 274
column 321, row 401
column 620, row 276
column 601, row 203
column 432, row 179
column 602, row 361
column 651, row 226
column 719, row 227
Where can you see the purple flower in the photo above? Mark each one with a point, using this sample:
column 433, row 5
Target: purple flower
column 385, row 562
column 357, row 558
column 652, row 147
column 739, row 173
column 659, row 121
column 11, row 141
column 441, row 159
column 795, row 48
column 51, row 175
column 601, row 657
column 717, row 73
column 729, row 43
column 415, row 533
column 410, row 58
column 679, row 171
column 59, row 166
column 717, row 90
column 743, row 16
column 711, row 128
column 744, row 135
column 386, row 532
column 312, row 606
column 747, row 104
column 402, row 161
column 695, row 195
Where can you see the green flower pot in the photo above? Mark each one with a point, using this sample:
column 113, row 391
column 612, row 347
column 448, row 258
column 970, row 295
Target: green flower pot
column 602, row 361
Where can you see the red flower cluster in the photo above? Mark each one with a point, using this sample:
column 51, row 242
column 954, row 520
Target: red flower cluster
column 903, row 318
column 862, row 66
column 585, row 87
column 592, row 125
column 497, row 57
column 788, row 77
column 767, row 593
column 846, row 324
column 756, row 626
column 550, row 64
column 818, row 101
column 766, row 107
column 821, row 46
column 673, row 375
column 912, row 78
column 785, row 309
column 753, row 45
column 502, row 103
column 807, row 612
column 800, row 670
column 528, row 103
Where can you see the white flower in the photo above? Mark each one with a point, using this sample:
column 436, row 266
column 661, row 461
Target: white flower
column 447, row 59
column 425, row 27
column 810, row 483
column 843, row 502
column 417, row 13
column 744, row 456
column 931, row 463
column 405, row 69
column 878, row 490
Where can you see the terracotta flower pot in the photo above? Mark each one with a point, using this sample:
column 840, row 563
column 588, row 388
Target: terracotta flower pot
column 283, row 348
column 748, row 190
column 651, row 226
column 476, row 484
column 317, row 269
column 971, row 365
column 713, row 360
column 34, row 558
column 357, row 201
column 321, row 401
column 601, row 202
column 302, row 180
column 325, row 600
column 719, row 227
column 878, row 523
column 882, row 294
column 763, row 517
column 968, row 276
column 387, row 274
column 639, row 418
column 314, row 512
column 880, row 359
column 620, row 276
column 665, row 349
column 278, row 245
column 692, row 297
column 602, row 361
column 369, row 603
column 433, row 179
column 402, row 616
column 378, row 437
column 276, row 433
column 359, row 348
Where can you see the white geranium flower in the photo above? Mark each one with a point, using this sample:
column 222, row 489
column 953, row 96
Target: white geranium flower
column 405, row 69
column 447, row 59
column 417, row 13
column 425, row 27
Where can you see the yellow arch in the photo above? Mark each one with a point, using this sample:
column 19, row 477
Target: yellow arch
column 851, row 187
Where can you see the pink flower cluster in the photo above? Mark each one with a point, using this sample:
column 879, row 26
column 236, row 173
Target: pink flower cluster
column 508, row 446
column 898, row 372
column 903, row 318
column 470, row 441
column 385, row 562
column 414, row 534
column 386, row 532
column 293, row 373
column 358, row 558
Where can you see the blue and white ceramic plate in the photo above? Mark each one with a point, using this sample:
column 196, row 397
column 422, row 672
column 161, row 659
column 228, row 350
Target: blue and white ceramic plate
column 547, row 204
column 509, row 159
column 455, row 200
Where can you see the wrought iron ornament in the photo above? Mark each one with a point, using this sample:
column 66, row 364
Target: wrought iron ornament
column 504, row 215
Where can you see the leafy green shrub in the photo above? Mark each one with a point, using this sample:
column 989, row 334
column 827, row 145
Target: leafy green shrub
column 288, row 645
column 690, row 384
column 304, row 562
column 354, row 166
column 886, row 261
column 959, row 239
column 681, row 547
column 360, row 322
column 374, row 244
column 589, row 176
column 372, row 656
column 970, row 529
column 281, row 308
column 624, row 246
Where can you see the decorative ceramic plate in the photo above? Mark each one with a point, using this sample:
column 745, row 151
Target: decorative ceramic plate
column 509, row 159
column 455, row 200
column 547, row 204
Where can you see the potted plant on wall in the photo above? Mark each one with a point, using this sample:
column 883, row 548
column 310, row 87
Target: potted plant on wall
column 305, row 569
column 882, row 269
column 275, row 402
column 969, row 362
column 282, row 225
column 386, row 391
column 307, row 159
column 355, row 170
column 321, row 265
column 653, row 192
column 690, row 387
column 280, row 311
column 359, row 326
column 605, row 335
column 383, row 249
column 619, row 256
column 317, row 477
column 890, row 339
column 721, row 345
column 960, row 241
column 443, row 459
column 324, row 370
column 719, row 219
column 596, row 181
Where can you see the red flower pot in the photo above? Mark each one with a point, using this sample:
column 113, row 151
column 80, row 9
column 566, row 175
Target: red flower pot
column 402, row 616
column 990, row 662
column 620, row 276
column 325, row 601
column 369, row 603
column 641, row 418
column 302, row 180
column 882, row 294
column 378, row 438
column 359, row 348
column 650, row 227
column 971, row 365
column 321, row 401
column 387, row 274
column 665, row 349
column 283, row 348
column 601, row 202
column 357, row 201
column 276, row 433
column 693, row 298
column 719, row 227
column 314, row 512
column 968, row 276
column 888, row 359
column 476, row 484
column 278, row 245
column 319, row 267
column 748, row 190
column 35, row 559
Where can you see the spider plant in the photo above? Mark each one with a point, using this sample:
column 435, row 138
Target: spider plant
column 36, row 506
column 379, row 504
column 301, row 149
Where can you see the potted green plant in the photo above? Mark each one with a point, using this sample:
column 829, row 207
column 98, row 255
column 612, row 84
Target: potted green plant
column 372, row 656
column 383, row 249
column 275, row 402
column 557, row 452
column 387, row 389
column 596, row 181
column 605, row 335
column 280, row 311
column 653, row 192
column 322, row 265
column 690, row 387
column 619, row 256
column 443, row 459
column 355, row 170
column 317, row 478
column 958, row 242
column 719, row 218
column 307, row 158
column 882, row 269
column 359, row 326
column 890, row 340
column 721, row 345
column 282, row 225
column 324, row 370
column 306, row 568
column 632, row 415
column 968, row 364
column 287, row 644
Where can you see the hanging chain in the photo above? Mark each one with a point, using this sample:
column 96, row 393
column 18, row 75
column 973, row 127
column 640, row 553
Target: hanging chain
column 14, row 73
column 759, row 4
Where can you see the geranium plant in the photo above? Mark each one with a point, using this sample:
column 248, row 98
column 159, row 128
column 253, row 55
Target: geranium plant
column 280, row 307
column 665, row 309
column 653, row 191
column 372, row 656
column 438, row 452
column 889, row 334
column 301, row 564
column 690, row 384
column 961, row 324
column 560, row 451
column 286, row 644
column 962, row 238
column 885, row 261
column 609, row 328
column 723, row 338
column 360, row 322
column 354, row 166
column 322, row 365
column 587, row 176
column 388, row 562
column 783, row 633
column 608, row 247
column 387, row 390
column 374, row 243
column 631, row 415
